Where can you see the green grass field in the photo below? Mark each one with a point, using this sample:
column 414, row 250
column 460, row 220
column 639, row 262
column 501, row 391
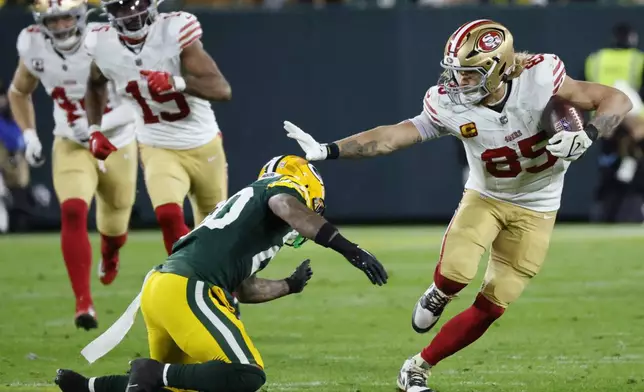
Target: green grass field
column 578, row 327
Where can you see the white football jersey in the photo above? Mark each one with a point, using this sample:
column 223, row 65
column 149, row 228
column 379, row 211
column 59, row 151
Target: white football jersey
column 506, row 151
column 64, row 77
column 172, row 120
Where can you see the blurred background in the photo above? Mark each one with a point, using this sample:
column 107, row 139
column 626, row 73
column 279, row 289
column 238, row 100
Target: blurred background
column 335, row 67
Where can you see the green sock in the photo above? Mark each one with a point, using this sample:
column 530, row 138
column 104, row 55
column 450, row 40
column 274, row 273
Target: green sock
column 216, row 376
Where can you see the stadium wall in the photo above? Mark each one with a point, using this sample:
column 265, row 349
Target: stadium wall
column 338, row 71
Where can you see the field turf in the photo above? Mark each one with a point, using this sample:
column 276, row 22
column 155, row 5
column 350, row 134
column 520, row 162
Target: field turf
column 578, row 327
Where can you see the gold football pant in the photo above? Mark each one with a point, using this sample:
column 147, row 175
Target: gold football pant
column 77, row 176
column 518, row 240
column 190, row 322
column 200, row 173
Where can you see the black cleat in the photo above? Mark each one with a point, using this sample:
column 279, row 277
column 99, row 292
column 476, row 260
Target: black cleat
column 86, row 321
column 70, row 381
column 146, row 375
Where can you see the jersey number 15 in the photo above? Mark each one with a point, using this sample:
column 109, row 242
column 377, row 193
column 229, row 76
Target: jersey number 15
column 149, row 117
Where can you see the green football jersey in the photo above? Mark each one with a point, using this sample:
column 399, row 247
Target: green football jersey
column 237, row 239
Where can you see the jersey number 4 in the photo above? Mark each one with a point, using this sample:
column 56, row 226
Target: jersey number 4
column 70, row 107
column 149, row 117
column 504, row 162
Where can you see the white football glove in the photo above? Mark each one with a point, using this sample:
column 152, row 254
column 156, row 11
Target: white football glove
column 569, row 146
column 314, row 150
column 33, row 148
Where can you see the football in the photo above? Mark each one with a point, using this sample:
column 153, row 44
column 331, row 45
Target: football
column 561, row 115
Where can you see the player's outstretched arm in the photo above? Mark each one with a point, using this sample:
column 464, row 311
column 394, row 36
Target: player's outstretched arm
column 611, row 104
column 201, row 75
column 377, row 141
column 24, row 83
column 256, row 290
column 313, row 226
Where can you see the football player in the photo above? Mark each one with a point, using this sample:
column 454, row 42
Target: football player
column 51, row 52
column 157, row 63
column 196, row 342
column 491, row 98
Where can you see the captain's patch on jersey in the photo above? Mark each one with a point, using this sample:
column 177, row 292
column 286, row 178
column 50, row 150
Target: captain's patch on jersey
column 38, row 64
column 469, row 130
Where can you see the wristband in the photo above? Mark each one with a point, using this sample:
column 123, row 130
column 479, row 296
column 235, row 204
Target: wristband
column 332, row 151
column 592, row 132
column 329, row 237
column 94, row 128
column 290, row 283
column 179, row 83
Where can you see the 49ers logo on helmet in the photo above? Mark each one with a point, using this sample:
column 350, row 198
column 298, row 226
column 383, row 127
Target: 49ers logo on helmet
column 490, row 41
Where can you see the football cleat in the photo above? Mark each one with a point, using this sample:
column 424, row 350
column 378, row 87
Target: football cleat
column 413, row 376
column 85, row 317
column 428, row 309
column 70, row 381
column 107, row 271
column 146, row 375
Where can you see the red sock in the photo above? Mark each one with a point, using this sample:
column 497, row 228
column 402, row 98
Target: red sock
column 77, row 251
column 110, row 247
column 173, row 226
column 445, row 285
column 462, row 330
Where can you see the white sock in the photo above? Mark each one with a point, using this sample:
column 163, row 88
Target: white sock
column 421, row 362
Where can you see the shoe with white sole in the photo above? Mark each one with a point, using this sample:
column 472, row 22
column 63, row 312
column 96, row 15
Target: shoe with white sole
column 413, row 376
column 428, row 309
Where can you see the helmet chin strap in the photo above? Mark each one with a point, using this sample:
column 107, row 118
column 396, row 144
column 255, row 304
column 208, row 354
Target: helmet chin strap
column 69, row 44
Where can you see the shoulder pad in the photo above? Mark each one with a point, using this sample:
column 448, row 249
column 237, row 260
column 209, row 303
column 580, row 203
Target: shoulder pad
column 183, row 28
column 293, row 183
column 93, row 36
column 549, row 70
column 435, row 104
column 26, row 37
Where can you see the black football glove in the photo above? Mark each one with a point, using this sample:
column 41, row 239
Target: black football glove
column 367, row 263
column 300, row 277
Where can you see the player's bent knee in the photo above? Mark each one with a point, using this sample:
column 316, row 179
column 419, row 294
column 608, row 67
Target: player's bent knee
column 458, row 268
column 506, row 290
column 247, row 378
column 114, row 222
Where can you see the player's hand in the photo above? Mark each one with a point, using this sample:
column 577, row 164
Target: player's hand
column 159, row 82
column 99, row 145
column 314, row 150
column 569, row 146
column 300, row 277
column 33, row 148
column 367, row 263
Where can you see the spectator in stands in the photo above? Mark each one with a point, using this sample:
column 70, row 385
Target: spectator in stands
column 621, row 61
column 620, row 195
column 14, row 170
